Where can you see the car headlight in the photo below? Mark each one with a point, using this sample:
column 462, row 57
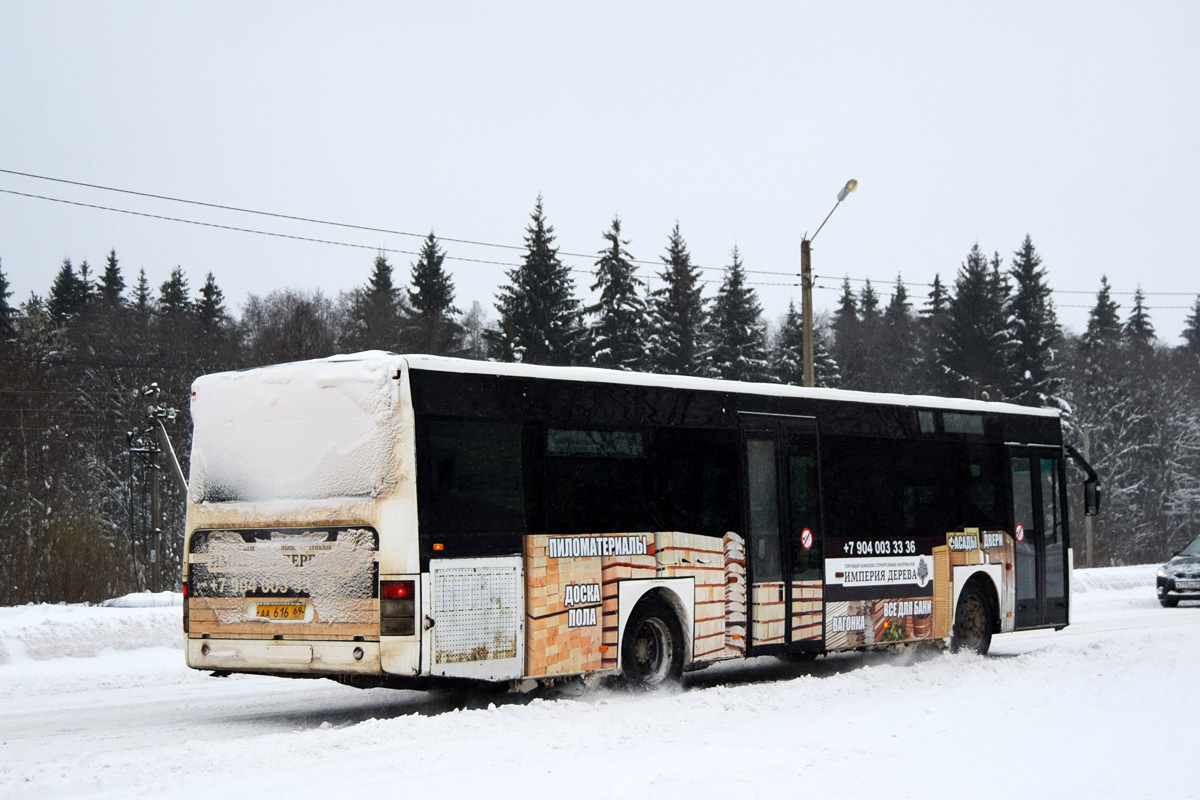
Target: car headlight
column 1162, row 572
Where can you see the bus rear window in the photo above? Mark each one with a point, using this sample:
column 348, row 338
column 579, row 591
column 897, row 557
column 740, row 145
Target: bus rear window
column 472, row 478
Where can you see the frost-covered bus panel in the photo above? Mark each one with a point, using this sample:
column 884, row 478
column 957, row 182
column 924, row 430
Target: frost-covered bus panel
column 407, row 519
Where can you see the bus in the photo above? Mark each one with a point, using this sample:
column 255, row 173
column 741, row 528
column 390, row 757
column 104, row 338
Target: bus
column 410, row 521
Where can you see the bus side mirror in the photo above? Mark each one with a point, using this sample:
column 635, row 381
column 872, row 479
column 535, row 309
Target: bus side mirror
column 1091, row 498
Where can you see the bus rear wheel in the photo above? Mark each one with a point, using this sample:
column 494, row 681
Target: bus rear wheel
column 972, row 623
column 652, row 653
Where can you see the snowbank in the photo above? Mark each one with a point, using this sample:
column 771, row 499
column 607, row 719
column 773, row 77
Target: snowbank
column 1113, row 578
column 145, row 600
column 43, row 632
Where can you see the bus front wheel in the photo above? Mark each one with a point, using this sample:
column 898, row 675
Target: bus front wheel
column 972, row 622
column 652, row 653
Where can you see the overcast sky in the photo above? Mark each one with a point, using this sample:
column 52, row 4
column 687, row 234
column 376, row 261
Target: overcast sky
column 963, row 122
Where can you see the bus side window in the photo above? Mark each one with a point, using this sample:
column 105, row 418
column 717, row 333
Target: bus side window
column 861, row 487
column 693, row 481
column 476, row 485
column 595, row 481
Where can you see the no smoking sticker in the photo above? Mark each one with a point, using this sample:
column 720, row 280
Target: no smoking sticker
column 806, row 538
column 1020, row 532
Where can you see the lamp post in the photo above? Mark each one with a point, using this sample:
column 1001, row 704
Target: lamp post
column 806, row 285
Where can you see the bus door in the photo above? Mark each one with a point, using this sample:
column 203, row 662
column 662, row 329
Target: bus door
column 782, row 512
column 1040, row 533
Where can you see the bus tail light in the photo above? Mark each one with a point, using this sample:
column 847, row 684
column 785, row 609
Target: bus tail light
column 397, row 608
column 186, row 621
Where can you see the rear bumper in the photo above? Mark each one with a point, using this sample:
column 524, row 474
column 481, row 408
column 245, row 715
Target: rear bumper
column 300, row 657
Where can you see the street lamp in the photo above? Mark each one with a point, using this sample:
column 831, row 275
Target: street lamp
column 806, row 284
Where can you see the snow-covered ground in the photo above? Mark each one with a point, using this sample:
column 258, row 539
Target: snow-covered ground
column 97, row 702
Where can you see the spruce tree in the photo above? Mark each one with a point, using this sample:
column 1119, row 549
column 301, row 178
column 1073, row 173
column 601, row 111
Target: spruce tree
column 68, row 294
column 930, row 322
column 1191, row 333
column 1033, row 328
column 375, row 317
column 873, row 357
column 215, row 346
column 847, row 338
column 433, row 328
column 143, row 303
column 677, row 314
column 738, row 335
column 1104, row 325
column 173, row 295
column 618, row 333
column 974, row 343
column 900, row 346
column 939, row 298
column 1139, row 331
column 86, row 285
column 787, row 353
column 210, row 308
column 7, row 330
column 112, row 285
column 539, row 313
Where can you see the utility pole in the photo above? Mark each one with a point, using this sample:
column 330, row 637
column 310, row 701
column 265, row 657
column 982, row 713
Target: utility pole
column 806, row 309
column 156, row 521
column 151, row 443
column 1087, row 521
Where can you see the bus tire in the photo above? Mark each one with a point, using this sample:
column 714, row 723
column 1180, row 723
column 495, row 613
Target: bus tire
column 972, row 622
column 652, row 653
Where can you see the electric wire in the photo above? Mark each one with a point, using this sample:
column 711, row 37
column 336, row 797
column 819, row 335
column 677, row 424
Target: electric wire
column 474, row 242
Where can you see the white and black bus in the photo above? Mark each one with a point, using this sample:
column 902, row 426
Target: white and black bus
column 402, row 520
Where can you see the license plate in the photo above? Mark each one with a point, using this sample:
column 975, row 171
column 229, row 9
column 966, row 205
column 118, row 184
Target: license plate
column 1187, row 584
column 291, row 612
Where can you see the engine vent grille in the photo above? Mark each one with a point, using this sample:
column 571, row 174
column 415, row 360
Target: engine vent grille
column 478, row 612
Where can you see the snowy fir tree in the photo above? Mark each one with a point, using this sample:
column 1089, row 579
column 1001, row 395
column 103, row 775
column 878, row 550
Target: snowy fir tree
column 539, row 313
column 376, row 317
column 7, row 329
column 216, row 343
column 872, row 347
column 68, row 294
column 677, row 314
column 1033, row 328
column 739, row 338
column 434, row 327
column 973, row 345
column 900, row 346
column 1191, row 331
column 847, row 339
column 1138, row 332
column 618, row 332
column 1104, row 325
column 787, row 353
column 112, row 284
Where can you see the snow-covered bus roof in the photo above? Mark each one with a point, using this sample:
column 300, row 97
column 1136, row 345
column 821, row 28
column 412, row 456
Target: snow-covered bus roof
column 597, row 375
column 375, row 361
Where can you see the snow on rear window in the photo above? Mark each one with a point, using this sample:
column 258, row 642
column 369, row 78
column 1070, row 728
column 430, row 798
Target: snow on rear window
column 311, row 430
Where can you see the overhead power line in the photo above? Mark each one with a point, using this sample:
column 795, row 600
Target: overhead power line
column 315, row 221
column 244, row 230
column 292, row 236
column 474, row 242
column 1056, row 291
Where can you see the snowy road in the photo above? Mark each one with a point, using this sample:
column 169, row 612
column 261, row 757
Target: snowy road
column 1102, row 709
